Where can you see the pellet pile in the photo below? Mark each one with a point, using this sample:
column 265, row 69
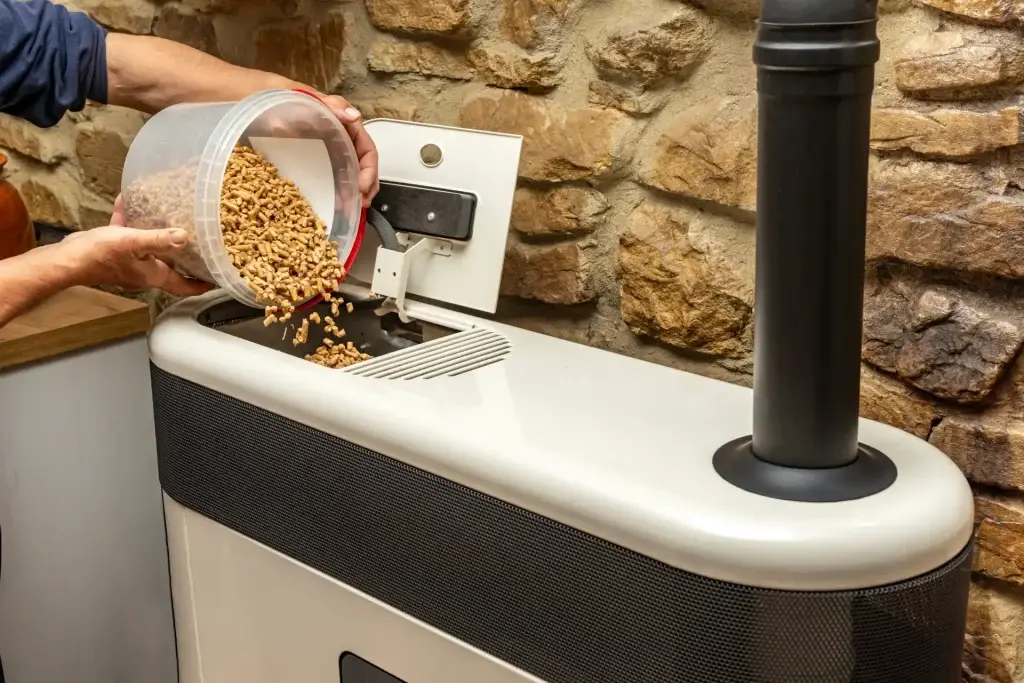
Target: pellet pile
column 275, row 240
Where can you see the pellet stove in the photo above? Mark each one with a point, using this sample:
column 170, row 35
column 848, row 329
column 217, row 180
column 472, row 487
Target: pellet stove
column 484, row 504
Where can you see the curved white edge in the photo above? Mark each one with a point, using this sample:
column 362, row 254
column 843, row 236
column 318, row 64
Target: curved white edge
column 610, row 445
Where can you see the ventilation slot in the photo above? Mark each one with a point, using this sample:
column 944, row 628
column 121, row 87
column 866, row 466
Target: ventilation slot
column 446, row 357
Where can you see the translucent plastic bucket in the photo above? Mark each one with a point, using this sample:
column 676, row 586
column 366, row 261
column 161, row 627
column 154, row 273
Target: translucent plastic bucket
column 175, row 167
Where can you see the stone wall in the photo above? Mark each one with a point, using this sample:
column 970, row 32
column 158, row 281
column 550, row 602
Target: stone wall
column 633, row 222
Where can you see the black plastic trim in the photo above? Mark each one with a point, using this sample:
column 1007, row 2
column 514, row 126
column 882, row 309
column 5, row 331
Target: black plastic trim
column 869, row 473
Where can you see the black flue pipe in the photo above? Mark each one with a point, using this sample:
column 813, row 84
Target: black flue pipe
column 815, row 76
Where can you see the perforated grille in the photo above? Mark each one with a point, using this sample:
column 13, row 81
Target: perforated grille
column 446, row 357
column 551, row 600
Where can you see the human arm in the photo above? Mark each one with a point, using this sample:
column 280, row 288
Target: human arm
column 150, row 74
column 53, row 60
column 27, row 279
column 113, row 255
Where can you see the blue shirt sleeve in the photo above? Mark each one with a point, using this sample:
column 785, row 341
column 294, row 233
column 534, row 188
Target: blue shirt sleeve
column 51, row 61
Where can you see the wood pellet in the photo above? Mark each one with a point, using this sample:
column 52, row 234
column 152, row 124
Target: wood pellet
column 274, row 239
column 337, row 355
column 280, row 247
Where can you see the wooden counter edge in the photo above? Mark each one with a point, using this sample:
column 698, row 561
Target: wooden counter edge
column 73, row 320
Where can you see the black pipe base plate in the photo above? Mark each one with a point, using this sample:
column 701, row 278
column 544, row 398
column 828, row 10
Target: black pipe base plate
column 870, row 473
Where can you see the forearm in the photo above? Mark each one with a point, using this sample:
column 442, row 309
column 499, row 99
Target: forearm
column 32, row 277
column 150, row 74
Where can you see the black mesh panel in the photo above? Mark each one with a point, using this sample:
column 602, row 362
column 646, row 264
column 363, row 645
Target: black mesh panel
column 551, row 600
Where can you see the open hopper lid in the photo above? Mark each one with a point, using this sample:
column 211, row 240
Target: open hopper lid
column 447, row 194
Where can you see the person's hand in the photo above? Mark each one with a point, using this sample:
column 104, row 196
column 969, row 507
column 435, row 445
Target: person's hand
column 129, row 258
column 365, row 149
column 351, row 120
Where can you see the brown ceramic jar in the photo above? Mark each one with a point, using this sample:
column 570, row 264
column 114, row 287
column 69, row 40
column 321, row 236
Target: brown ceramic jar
column 16, row 232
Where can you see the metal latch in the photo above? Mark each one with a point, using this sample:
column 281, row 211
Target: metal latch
column 396, row 258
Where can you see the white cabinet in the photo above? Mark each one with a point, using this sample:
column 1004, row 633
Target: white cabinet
column 84, row 584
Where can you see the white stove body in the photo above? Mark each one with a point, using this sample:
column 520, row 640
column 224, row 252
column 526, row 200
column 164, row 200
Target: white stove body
column 600, row 462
